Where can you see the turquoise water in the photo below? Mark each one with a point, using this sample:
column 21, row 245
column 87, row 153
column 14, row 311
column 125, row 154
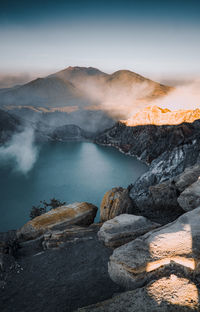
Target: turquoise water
column 72, row 171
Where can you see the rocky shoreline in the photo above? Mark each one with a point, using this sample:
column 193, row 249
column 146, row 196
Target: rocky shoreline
column 143, row 256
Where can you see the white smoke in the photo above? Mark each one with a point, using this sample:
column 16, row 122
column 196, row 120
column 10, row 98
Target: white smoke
column 183, row 97
column 118, row 99
column 22, row 150
column 123, row 100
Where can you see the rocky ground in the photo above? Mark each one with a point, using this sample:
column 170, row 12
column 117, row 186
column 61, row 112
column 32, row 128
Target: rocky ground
column 62, row 279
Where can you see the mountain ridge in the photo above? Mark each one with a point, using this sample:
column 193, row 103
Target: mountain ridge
column 154, row 115
column 71, row 85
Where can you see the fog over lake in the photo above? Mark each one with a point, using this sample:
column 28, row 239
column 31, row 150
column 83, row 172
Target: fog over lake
column 72, row 171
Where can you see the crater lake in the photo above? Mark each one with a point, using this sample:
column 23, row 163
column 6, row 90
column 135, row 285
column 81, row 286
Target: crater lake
column 69, row 171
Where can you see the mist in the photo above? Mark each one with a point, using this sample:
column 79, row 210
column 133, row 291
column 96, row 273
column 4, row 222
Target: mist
column 21, row 151
column 8, row 81
column 118, row 100
column 123, row 101
column 183, row 97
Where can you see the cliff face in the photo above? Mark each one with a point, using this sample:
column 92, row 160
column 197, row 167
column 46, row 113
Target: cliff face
column 70, row 133
column 149, row 142
column 169, row 150
column 9, row 124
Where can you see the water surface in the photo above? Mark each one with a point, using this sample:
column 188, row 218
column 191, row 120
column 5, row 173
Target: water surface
column 72, row 171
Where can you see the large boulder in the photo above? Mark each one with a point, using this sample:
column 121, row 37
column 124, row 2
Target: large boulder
column 77, row 213
column 190, row 197
column 115, row 202
column 175, row 246
column 124, row 228
column 165, row 295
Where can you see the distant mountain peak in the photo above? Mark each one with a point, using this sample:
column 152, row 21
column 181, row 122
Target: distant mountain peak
column 76, row 70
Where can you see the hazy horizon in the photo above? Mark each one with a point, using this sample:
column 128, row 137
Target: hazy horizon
column 157, row 40
column 12, row 79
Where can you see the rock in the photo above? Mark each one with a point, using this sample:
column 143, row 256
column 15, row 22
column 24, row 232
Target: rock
column 190, row 197
column 187, row 177
column 155, row 190
column 154, row 115
column 175, row 246
column 124, row 228
column 70, row 133
column 148, row 142
column 7, row 263
column 115, row 202
column 73, row 233
column 8, row 243
column 57, row 219
column 164, row 196
column 9, row 124
column 169, row 150
column 165, row 295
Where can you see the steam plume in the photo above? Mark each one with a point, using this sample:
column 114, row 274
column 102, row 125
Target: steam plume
column 21, row 149
column 183, row 97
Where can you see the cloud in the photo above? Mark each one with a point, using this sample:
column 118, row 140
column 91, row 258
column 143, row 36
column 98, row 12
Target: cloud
column 119, row 100
column 183, row 97
column 22, row 150
column 7, row 81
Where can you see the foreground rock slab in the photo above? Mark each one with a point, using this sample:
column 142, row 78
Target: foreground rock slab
column 165, row 295
column 175, row 246
column 77, row 213
column 124, row 228
column 115, row 202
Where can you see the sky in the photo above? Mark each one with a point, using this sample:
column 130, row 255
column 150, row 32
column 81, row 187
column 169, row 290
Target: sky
column 158, row 39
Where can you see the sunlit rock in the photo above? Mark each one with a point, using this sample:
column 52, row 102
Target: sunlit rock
column 58, row 219
column 115, row 202
column 154, row 115
column 124, row 228
column 175, row 246
column 167, row 294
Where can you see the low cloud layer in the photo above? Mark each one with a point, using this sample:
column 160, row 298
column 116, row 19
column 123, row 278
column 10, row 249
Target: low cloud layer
column 21, row 150
column 183, row 97
column 119, row 99
column 7, row 81
column 125, row 101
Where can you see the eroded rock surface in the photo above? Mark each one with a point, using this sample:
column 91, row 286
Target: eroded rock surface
column 115, row 202
column 124, row 228
column 57, row 219
column 175, row 246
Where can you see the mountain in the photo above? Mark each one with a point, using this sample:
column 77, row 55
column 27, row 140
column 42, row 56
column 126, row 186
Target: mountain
column 129, row 79
column 79, row 74
column 154, row 115
column 73, row 87
column 45, row 92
